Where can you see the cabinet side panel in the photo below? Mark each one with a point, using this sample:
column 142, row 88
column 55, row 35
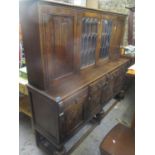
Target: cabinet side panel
column 31, row 42
column 45, row 116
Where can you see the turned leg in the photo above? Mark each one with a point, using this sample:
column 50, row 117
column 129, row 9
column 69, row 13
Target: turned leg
column 61, row 152
column 120, row 95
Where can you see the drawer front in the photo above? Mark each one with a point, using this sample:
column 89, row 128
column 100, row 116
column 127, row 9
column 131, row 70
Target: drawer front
column 74, row 113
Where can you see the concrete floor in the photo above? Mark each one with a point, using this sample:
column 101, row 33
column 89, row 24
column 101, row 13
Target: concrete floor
column 121, row 112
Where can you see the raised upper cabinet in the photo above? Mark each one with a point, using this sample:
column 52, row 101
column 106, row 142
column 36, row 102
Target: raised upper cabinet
column 64, row 40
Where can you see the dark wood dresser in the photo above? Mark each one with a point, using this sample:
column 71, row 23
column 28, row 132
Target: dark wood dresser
column 74, row 65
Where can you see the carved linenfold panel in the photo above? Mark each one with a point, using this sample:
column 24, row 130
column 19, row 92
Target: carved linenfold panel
column 88, row 40
column 95, row 96
column 116, row 39
column 119, row 80
column 58, row 44
column 74, row 112
column 63, row 44
column 105, row 38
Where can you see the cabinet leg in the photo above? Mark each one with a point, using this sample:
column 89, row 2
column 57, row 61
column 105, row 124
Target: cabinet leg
column 120, row 95
column 62, row 152
column 37, row 138
column 98, row 117
column 44, row 144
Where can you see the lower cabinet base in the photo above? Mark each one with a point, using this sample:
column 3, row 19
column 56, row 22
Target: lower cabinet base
column 120, row 95
column 45, row 145
column 72, row 143
column 58, row 121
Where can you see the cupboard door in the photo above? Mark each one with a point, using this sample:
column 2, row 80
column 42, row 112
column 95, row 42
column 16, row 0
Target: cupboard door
column 89, row 32
column 106, row 91
column 116, row 38
column 107, row 88
column 94, row 105
column 105, row 38
column 119, row 80
column 74, row 113
column 58, row 32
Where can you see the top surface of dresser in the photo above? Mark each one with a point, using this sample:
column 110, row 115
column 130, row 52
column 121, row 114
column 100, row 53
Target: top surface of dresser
column 77, row 6
column 71, row 84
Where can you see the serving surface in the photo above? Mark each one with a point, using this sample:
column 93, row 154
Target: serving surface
column 75, row 82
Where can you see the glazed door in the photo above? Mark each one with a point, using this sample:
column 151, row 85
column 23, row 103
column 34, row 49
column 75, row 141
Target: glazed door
column 58, row 32
column 88, row 39
column 106, row 25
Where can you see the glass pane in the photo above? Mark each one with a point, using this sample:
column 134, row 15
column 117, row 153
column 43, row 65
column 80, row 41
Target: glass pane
column 88, row 41
column 105, row 38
